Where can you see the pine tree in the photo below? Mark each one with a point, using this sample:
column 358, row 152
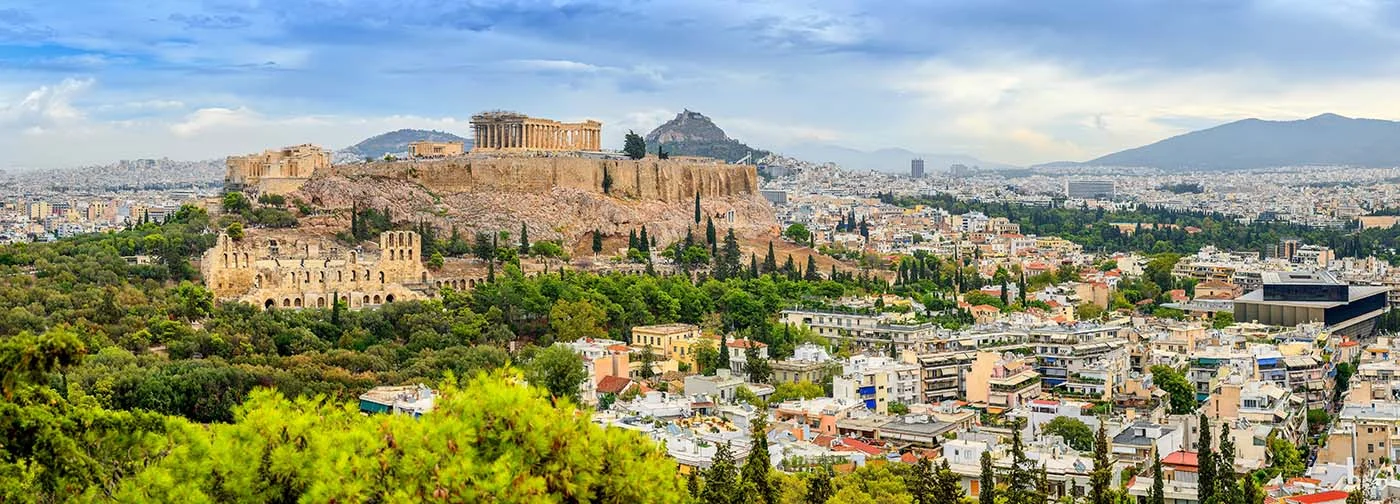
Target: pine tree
column 753, row 266
column 1042, row 486
column 1102, row 475
column 524, row 240
column 597, row 242
column 770, row 261
column 730, row 256
column 1251, row 494
column 697, row 208
column 1158, row 488
column 819, row 486
column 948, row 485
column 757, row 464
column 987, row 482
column 1227, row 490
column 921, row 482
column 812, row 274
column 1020, row 481
column 1205, row 473
column 632, row 240
column 721, row 479
column 692, row 484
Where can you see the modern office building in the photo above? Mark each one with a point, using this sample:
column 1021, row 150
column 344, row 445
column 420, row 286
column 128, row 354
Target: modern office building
column 916, row 168
column 1294, row 297
column 1089, row 189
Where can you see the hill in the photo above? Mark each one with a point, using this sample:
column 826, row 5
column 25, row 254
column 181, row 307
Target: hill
column 396, row 142
column 693, row 134
column 890, row 160
column 1327, row 139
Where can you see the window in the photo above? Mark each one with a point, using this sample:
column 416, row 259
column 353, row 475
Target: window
column 1370, row 448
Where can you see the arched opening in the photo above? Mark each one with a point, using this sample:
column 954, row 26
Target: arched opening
column 225, row 260
column 286, row 302
column 471, row 283
column 320, row 302
column 366, row 301
column 297, row 302
column 340, row 276
column 270, row 304
column 245, row 259
column 376, row 299
column 410, row 254
column 425, row 277
column 389, row 298
column 381, row 277
column 354, row 276
column 438, row 284
column 323, row 277
column 257, row 281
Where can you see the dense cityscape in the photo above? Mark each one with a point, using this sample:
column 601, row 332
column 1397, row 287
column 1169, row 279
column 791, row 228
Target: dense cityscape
column 561, row 289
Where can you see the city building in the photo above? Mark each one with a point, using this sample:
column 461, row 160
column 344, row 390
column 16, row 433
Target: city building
column 877, row 381
column 916, row 168
column 1089, row 189
column 412, row 400
column 673, row 341
column 868, row 331
column 809, row 363
column 1001, row 383
column 1292, row 298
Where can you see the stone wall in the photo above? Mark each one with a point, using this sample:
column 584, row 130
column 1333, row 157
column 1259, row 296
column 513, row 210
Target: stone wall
column 647, row 179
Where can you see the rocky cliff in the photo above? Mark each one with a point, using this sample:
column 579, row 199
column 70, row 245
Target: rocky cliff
column 555, row 197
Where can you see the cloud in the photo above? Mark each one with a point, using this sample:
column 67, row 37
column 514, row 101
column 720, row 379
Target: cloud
column 46, row 107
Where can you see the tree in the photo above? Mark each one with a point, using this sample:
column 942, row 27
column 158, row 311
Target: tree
column 572, row 320
column 647, row 358
column 922, row 482
column 812, row 275
column 597, row 242
column 27, row 359
column 499, row 442
column 723, row 361
column 1101, row 477
column 235, row 203
column 987, row 481
column 644, row 241
column 1020, row 481
column 192, row 302
column 558, row 370
column 706, row 356
column 634, row 146
column 1285, row 457
column 757, row 466
column 1075, row 432
column 787, row 391
column 1227, row 490
column 697, row 210
column 1158, row 486
column 435, row 262
column 1223, row 319
column 770, row 261
column 484, row 246
column 798, row 233
column 607, row 181
column 721, row 479
column 947, row 485
column 235, row 231
column 819, row 485
column 1183, row 395
column 710, row 237
column 1205, row 455
column 755, row 366
column 524, row 240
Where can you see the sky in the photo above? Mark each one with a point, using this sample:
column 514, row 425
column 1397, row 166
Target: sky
column 1016, row 81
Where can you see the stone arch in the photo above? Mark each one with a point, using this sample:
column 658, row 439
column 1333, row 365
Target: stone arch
column 366, row 301
column 323, row 276
column 389, row 298
column 376, row 299
column 366, row 275
column 354, row 275
column 471, row 282
column 339, row 276
column 381, row 277
column 306, row 275
column 425, row 277
column 226, row 259
column 320, row 302
column 286, row 302
column 246, row 262
column 270, row 304
column 410, row 254
column 296, row 302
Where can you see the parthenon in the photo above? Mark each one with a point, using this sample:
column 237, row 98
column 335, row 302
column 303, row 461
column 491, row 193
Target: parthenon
column 501, row 130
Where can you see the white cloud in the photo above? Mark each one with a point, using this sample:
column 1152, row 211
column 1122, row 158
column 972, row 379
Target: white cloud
column 47, row 106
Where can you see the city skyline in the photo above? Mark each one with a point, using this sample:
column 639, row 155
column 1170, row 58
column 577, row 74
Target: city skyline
column 1010, row 82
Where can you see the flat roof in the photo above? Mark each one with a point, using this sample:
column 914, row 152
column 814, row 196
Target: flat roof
column 1300, row 277
column 1354, row 293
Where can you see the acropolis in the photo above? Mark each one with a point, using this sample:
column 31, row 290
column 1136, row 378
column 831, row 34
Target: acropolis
column 501, row 130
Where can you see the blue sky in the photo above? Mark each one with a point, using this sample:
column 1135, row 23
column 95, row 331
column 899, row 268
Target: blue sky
column 1017, row 81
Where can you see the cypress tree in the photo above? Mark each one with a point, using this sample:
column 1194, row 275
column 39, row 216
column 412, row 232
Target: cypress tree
column 1005, row 296
column 947, row 485
column 692, row 484
column 710, row 236
column 1102, row 475
column 819, row 486
column 812, row 274
column 723, row 362
column 921, row 482
column 643, row 242
column 1020, row 482
column 697, row 209
column 1227, row 490
column 597, row 242
column 524, row 240
column 1205, row 473
column 770, row 261
column 987, row 482
column 757, row 465
column 632, row 240
column 1158, row 488
column 753, row 266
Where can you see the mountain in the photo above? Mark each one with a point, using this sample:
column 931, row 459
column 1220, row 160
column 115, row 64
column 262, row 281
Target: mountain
column 892, row 160
column 1327, row 139
column 693, row 134
column 396, row 142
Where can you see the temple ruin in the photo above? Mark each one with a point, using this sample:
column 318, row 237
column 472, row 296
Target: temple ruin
column 500, row 130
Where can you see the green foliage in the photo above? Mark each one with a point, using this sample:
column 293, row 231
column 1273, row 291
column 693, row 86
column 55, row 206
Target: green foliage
column 557, row 370
column 1205, row 454
column 871, row 483
column 1285, row 458
column 1182, row 394
column 787, row 391
column 499, row 442
column 1100, row 479
column 435, row 262
column 797, row 233
column 1075, row 432
column 722, row 479
column 1222, row 320
column 898, row 409
column 235, row 231
column 634, row 146
column 572, row 320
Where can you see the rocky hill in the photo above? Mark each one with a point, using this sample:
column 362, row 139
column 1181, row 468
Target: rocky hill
column 1324, row 140
column 554, row 197
column 693, row 134
column 396, row 142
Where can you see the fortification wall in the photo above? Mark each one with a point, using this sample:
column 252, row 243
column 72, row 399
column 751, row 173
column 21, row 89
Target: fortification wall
column 647, row 179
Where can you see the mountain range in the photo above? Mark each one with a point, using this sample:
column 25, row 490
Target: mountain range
column 1323, row 140
column 396, row 142
column 892, row 160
